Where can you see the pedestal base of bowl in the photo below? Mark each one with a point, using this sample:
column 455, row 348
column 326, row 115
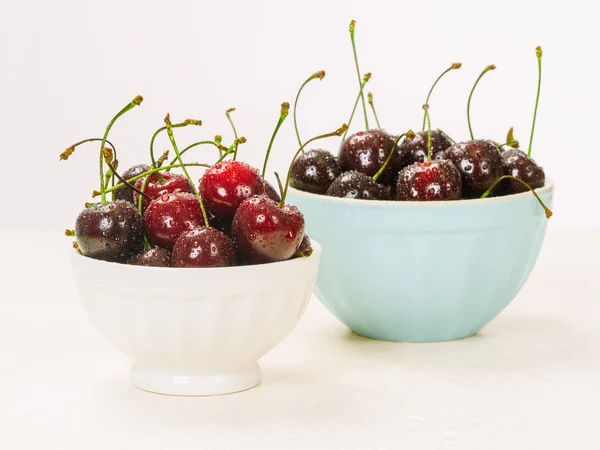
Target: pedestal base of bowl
column 185, row 383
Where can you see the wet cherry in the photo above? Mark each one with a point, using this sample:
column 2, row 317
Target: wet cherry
column 357, row 185
column 517, row 164
column 314, row 171
column 203, row 247
column 415, row 150
column 171, row 183
column 151, row 257
column 427, row 181
column 111, row 232
column 126, row 193
column 227, row 184
column 263, row 232
column 170, row 215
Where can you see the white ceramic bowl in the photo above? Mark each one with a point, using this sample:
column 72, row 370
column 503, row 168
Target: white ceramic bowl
column 195, row 331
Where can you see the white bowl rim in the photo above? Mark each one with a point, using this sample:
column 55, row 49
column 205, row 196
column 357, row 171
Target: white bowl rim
column 317, row 249
column 548, row 187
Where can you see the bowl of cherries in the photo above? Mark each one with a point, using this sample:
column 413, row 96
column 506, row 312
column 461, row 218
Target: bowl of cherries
column 195, row 281
column 424, row 238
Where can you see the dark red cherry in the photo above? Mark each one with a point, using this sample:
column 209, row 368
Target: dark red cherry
column 271, row 192
column 366, row 152
column 111, row 232
column 170, row 215
column 305, row 248
column 173, row 183
column 151, row 257
column 203, row 247
column 314, row 171
column 415, row 149
column 357, row 185
column 517, row 164
column 227, row 184
column 264, row 233
column 428, row 181
column 479, row 163
column 126, row 193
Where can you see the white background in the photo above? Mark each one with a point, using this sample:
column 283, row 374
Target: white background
column 69, row 66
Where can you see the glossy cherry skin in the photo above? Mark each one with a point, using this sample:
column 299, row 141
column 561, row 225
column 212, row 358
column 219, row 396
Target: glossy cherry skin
column 429, row 181
column 227, row 184
column 359, row 186
column 517, row 164
column 367, row 151
column 265, row 233
column 305, row 248
column 173, row 183
column 203, row 247
column 479, row 163
column 415, row 149
column 314, row 171
column 126, row 193
column 111, row 232
column 170, row 215
column 271, row 192
column 151, row 257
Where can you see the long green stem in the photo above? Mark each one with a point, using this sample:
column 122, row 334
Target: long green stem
column 187, row 175
column 410, row 135
column 486, row 70
column 133, row 103
column 185, row 123
column 370, row 97
column 69, row 151
column 148, row 173
column 337, row 132
column 351, row 29
column 285, row 109
column 195, row 144
column 366, row 79
column 235, row 135
column 454, row 66
column 241, row 140
column 320, row 75
column 505, row 177
column 538, row 53
column 426, row 109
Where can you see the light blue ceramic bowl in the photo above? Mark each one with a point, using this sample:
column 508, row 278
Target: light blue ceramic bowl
column 423, row 271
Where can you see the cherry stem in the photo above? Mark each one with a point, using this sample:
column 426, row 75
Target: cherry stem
column 69, row 151
column 320, row 75
column 285, row 109
column 410, row 134
column 241, row 140
column 133, row 103
column 150, row 172
column 426, row 109
column 195, row 144
column 185, row 123
column 187, row 175
column 504, row 177
column 351, row 29
column 127, row 184
column 454, row 66
column 141, row 209
column 370, row 97
column 366, row 79
column 337, row 132
column 486, row 70
column 279, row 183
column 235, row 135
column 538, row 53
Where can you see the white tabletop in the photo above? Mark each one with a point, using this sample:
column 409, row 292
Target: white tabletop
column 530, row 380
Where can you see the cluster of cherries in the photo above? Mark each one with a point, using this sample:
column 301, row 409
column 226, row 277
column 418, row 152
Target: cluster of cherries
column 423, row 166
column 160, row 218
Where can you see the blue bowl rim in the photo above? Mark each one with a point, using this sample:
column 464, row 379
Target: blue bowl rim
column 547, row 188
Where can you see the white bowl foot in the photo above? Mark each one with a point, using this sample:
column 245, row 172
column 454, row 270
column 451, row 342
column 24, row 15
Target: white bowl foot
column 194, row 383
